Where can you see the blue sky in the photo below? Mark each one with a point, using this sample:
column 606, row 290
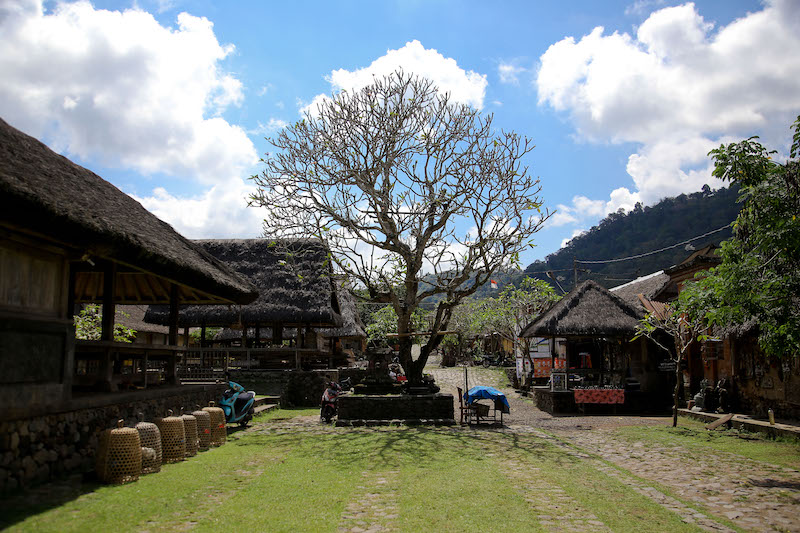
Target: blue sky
column 170, row 100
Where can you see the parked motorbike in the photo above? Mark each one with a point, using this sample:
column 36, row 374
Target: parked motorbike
column 238, row 404
column 493, row 359
column 330, row 401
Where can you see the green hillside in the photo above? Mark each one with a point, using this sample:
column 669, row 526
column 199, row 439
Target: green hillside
column 640, row 231
column 620, row 234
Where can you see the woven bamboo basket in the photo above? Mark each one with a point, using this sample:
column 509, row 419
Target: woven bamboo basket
column 150, row 437
column 190, row 427
column 119, row 455
column 173, row 438
column 219, row 431
column 203, row 429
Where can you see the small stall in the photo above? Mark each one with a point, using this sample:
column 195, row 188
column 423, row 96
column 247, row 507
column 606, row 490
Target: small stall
column 478, row 412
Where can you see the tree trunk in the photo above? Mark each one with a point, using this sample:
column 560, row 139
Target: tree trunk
column 678, row 379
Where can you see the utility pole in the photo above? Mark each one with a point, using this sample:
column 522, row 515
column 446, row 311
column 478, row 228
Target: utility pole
column 575, row 270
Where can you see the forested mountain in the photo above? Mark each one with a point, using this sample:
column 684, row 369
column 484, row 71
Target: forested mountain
column 620, row 234
column 640, row 231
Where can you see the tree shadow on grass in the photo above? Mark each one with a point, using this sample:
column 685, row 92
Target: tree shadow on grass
column 388, row 447
column 17, row 506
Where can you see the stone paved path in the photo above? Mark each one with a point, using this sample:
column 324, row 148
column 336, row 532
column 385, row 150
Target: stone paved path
column 554, row 508
column 374, row 506
column 752, row 495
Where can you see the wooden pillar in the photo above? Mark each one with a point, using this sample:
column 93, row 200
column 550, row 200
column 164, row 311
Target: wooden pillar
column 172, row 364
column 277, row 334
column 257, row 338
column 203, row 334
column 109, row 287
column 186, row 336
column 144, row 370
column 173, row 315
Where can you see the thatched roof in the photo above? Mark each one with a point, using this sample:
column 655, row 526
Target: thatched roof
column 49, row 195
column 589, row 310
column 352, row 326
column 135, row 319
column 293, row 278
column 646, row 286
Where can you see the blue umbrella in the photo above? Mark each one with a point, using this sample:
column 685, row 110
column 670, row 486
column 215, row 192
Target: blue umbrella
column 489, row 393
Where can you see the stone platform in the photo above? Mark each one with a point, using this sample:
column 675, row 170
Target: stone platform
column 374, row 409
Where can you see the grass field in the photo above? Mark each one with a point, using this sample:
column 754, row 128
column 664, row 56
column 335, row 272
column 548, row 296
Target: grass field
column 406, row 479
column 692, row 434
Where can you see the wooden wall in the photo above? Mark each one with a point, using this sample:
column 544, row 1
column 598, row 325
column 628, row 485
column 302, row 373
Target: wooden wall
column 36, row 338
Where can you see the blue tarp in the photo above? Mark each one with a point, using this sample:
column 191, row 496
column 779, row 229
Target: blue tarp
column 488, row 393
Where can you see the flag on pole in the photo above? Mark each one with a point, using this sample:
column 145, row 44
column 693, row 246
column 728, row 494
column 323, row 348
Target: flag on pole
column 493, row 284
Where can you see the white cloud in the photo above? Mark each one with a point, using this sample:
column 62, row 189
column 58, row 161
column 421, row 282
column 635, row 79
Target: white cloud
column 509, row 73
column 265, row 89
column 273, row 125
column 216, row 213
column 562, row 216
column 118, row 87
column 677, row 89
column 467, row 87
column 588, row 207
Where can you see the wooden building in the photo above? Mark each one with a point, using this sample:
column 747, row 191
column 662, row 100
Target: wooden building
column 731, row 358
column 296, row 290
column 68, row 237
column 601, row 363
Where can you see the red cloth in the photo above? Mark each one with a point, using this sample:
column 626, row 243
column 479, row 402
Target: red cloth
column 599, row 396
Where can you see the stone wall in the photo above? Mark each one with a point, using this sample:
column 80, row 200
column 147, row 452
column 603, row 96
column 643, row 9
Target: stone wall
column 554, row 402
column 296, row 388
column 421, row 408
column 38, row 449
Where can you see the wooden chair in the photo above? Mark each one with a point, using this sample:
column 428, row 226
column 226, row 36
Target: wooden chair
column 466, row 411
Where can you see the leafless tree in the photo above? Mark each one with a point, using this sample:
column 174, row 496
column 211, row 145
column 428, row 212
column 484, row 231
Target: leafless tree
column 386, row 176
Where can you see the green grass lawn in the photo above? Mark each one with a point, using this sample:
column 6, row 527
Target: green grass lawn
column 693, row 435
column 440, row 479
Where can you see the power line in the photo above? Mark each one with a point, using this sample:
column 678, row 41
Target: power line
column 586, row 261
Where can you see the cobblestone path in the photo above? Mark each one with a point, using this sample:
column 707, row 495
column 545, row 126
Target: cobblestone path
column 374, row 506
column 555, row 510
column 752, row 495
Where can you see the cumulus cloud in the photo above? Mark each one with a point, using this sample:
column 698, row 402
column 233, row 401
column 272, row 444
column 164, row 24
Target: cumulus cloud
column 467, row 87
column 118, row 87
column 678, row 88
column 218, row 212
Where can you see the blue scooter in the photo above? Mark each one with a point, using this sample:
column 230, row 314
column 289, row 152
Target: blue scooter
column 237, row 404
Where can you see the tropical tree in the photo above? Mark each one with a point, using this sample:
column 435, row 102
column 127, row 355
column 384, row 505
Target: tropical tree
column 399, row 181
column 518, row 306
column 88, row 325
column 674, row 329
column 758, row 279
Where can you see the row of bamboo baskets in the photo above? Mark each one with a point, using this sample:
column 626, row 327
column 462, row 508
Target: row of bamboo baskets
column 123, row 454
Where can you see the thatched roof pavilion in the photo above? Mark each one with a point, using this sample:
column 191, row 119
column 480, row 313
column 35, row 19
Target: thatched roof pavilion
column 50, row 195
column 588, row 310
column 294, row 280
column 68, row 237
column 351, row 327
